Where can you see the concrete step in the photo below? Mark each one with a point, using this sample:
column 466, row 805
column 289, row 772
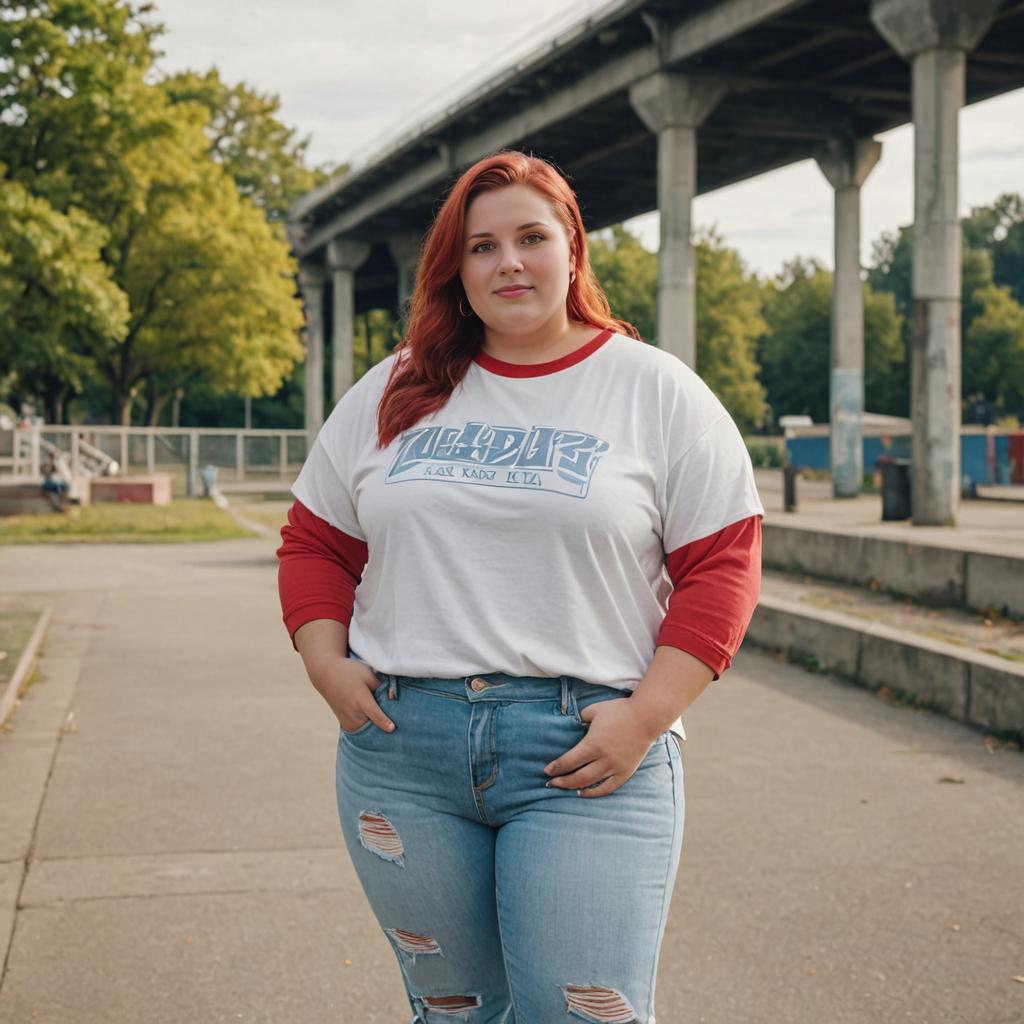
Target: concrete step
column 986, row 578
column 870, row 640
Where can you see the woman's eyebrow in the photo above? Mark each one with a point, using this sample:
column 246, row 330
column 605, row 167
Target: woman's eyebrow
column 522, row 227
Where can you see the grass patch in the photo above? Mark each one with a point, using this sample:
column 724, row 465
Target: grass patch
column 273, row 514
column 16, row 627
column 185, row 519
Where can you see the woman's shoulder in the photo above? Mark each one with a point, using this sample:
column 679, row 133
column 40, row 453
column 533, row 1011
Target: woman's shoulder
column 656, row 364
column 671, row 386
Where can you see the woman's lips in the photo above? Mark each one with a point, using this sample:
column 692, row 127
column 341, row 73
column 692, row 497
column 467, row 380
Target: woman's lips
column 512, row 293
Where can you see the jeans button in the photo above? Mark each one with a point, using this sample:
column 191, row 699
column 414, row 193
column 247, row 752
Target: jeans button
column 478, row 685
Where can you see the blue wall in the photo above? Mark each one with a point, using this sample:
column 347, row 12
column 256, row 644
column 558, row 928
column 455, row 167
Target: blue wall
column 812, row 453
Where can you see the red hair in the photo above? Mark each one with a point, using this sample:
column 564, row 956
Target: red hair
column 440, row 342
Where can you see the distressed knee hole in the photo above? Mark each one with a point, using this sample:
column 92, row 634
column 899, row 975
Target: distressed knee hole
column 451, row 1004
column 379, row 836
column 413, row 943
column 595, row 1003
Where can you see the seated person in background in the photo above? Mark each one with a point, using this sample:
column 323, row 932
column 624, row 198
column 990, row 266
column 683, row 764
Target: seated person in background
column 57, row 480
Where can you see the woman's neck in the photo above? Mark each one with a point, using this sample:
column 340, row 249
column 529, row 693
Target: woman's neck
column 540, row 347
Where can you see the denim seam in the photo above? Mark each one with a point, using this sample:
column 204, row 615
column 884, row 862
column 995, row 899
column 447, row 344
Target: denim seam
column 504, row 954
column 435, row 693
column 489, row 781
column 664, row 887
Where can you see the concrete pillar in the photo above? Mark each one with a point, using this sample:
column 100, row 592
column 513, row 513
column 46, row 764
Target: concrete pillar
column 344, row 257
column 846, row 163
column 312, row 278
column 935, row 36
column 674, row 106
column 405, row 250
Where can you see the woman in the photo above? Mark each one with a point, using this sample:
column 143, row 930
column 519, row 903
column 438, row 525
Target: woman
column 555, row 534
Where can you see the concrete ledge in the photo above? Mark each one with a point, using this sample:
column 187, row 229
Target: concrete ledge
column 967, row 685
column 995, row 581
column 917, row 665
column 995, row 698
column 827, row 639
column 933, row 575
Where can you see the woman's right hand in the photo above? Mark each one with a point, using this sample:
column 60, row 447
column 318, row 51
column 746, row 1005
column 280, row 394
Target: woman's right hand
column 348, row 687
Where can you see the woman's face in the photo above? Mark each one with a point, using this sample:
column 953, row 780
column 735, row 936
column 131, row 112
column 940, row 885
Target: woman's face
column 512, row 237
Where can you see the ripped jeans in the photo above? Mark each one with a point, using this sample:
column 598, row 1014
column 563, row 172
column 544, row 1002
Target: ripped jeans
column 506, row 902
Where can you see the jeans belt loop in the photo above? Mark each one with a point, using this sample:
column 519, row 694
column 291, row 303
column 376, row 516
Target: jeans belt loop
column 565, row 695
column 392, row 688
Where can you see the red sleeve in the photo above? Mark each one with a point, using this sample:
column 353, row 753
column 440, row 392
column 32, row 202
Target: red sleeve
column 716, row 583
column 318, row 570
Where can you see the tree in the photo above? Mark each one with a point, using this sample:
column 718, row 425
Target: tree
column 729, row 322
column 262, row 155
column 994, row 349
column 993, row 255
column 999, row 230
column 795, row 353
column 54, row 288
column 629, row 276
column 209, row 282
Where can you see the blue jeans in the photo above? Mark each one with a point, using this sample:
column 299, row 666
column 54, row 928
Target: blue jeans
column 505, row 901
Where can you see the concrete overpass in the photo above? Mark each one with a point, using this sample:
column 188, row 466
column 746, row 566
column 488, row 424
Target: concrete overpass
column 649, row 103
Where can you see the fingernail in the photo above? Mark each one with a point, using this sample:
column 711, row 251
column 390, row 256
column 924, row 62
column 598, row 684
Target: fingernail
column 547, row 785
column 577, row 792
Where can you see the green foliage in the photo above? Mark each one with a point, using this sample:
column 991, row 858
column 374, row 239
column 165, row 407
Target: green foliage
column 207, row 279
column 765, row 454
column 375, row 335
column 54, row 287
column 999, row 230
column 993, row 258
column 994, row 348
column 729, row 322
column 795, row 353
column 183, row 521
column 629, row 276
column 244, row 135
column 886, row 371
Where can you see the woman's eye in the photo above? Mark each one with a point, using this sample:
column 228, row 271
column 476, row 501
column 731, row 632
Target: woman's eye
column 478, row 246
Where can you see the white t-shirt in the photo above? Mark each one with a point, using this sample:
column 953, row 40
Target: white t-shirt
column 523, row 527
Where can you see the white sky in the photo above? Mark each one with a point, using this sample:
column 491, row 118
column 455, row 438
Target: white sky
column 350, row 73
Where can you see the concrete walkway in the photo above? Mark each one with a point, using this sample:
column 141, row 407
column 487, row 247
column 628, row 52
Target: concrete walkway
column 170, row 783
column 996, row 527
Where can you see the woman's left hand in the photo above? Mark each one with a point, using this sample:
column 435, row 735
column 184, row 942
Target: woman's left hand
column 617, row 741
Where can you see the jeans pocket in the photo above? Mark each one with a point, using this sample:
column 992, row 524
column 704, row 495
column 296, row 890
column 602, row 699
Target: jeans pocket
column 593, row 695
column 369, row 723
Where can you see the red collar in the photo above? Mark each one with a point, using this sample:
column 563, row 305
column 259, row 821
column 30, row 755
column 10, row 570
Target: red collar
column 506, row 369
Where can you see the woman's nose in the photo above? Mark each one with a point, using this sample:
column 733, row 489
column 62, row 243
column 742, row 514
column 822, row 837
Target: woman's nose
column 510, row 261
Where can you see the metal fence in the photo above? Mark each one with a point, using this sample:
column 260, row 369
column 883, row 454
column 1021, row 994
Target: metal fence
column 244, row 458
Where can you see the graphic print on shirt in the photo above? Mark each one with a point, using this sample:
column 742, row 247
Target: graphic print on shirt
column 536, row 458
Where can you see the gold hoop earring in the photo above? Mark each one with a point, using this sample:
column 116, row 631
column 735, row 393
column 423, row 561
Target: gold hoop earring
column 465, row 314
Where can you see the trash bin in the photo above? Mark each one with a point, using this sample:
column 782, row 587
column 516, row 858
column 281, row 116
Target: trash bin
column 208, row 475
column 895, row 487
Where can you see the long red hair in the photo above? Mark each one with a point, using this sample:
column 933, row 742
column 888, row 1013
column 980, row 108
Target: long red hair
column 440, row 343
